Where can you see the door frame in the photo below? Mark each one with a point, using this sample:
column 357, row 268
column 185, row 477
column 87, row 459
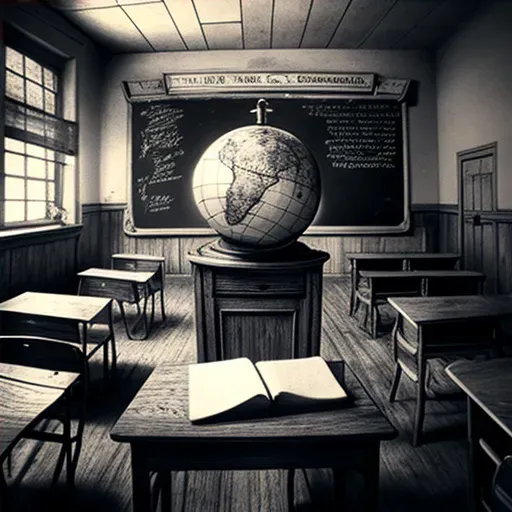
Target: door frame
column 490, row 149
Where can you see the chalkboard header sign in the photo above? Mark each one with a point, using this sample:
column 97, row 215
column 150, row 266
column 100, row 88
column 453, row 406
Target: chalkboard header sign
column 360, row 145
column 236, row 82
column 190, row 84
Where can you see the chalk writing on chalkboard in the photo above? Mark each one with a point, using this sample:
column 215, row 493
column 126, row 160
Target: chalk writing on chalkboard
column 360, row 135
column 159, row 149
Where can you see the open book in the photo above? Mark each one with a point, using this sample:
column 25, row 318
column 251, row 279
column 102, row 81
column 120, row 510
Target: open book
column 238, row 389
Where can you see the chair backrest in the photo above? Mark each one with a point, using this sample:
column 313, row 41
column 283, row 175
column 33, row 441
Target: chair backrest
column 38, row 352
column 502, row 487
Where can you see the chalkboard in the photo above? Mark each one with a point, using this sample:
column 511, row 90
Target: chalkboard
column 359, row 145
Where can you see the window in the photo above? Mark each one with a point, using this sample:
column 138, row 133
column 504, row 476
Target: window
column 37, row 143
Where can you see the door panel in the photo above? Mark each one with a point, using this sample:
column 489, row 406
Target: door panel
column 477, row 197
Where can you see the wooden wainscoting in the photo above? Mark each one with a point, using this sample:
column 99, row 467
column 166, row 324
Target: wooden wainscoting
column 104, row 223
column 494, row 258
column 504, row 253
column 448, row 228
column 39, row 261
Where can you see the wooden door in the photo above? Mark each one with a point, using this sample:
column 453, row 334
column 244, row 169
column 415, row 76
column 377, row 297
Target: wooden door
column 477, row 203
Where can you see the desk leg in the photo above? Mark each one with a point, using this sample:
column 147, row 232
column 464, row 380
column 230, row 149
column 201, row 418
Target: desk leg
column 166, row 491
column 339, row 488
column 474, row 494
column 290, row 489
column 353, row 276
column 142, row 316
column 420, row 400
column 112, row 341
column 162, row 285
column 370, row 472
column 141, row 495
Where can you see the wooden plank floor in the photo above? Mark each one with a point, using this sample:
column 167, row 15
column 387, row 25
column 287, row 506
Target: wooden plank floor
column 432, row 476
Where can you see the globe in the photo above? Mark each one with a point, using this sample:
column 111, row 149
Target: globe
column 258, row 186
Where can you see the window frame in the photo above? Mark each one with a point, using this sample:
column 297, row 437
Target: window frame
column 43, row 56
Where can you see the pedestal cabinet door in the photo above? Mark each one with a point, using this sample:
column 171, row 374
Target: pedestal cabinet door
column 259, row 329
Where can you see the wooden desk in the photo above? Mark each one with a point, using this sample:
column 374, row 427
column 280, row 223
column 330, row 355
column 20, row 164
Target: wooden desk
column 123, row 286
column 162, row 439
column 144, row 263
column 25, row 395
column 488, row 386
column 396, row 261
column 382, row 284
column 61, row 317
column 428, row 327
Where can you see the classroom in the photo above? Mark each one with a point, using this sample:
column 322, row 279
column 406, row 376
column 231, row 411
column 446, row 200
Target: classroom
column 318, row 187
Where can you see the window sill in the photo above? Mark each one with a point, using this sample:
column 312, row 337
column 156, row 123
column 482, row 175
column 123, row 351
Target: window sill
column 21, row 237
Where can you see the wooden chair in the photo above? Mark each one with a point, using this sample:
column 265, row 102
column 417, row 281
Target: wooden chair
column 91, row 338
column 375, row 292
column 412, row 351
column 144, row 263
column 32, row 352
column 501, row 498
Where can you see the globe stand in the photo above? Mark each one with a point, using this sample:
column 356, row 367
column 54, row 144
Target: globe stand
column 258, row 292
column 260, row 304
column 226, row 247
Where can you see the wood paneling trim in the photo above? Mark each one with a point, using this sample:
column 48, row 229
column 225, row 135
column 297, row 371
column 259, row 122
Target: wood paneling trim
column 435, row 208
column 102, row 207
column 36, row 236
column 501, row 216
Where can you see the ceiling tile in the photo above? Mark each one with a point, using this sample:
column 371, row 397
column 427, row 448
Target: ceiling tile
column 81, row 4
column 218, row 11
column 257, row 23
column 403, row 17
column 223, row 36
column 156, row 25
column 185, row 17
column 289, row 21
column 111, row 27
column 322, row 22
column 359, row 20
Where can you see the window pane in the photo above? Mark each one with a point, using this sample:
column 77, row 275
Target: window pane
column 14, row 164
column 33, row 70
column 36, row 189
column 51, row 191
column 51, row 170
column 36, row 168
column 14, row 188
column 35, row 95
column 36, row 210
column 14, row 145
column 14, row 211
column 14, row 86
column 50, row 154
column 14, row 60
column 34, row 150
column 49, row 79
column 49, row 102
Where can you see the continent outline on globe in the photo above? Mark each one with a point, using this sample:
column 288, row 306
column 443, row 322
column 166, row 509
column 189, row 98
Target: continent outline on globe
column 258, row 186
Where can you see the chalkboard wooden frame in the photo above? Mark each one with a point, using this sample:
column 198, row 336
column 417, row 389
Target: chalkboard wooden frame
column 132, row 230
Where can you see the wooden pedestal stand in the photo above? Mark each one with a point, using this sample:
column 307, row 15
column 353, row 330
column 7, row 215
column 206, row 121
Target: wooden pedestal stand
column 260, row 304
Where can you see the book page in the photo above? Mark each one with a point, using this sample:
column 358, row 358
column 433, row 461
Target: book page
column 301, row 381
column 221, row 386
